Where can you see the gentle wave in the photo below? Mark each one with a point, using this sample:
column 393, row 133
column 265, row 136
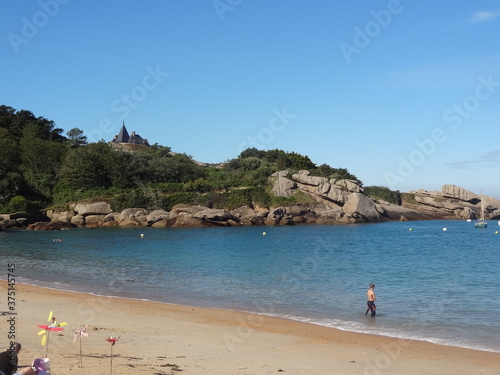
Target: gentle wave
column 314, row 274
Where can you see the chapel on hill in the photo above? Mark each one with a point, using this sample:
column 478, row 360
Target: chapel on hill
column 133, row 138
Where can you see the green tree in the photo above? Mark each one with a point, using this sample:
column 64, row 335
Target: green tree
column 252, row 153
column 41, row 160
column 86, row 167
column 76, row 138
column 118, row 166
column 17, row 204
column 11, row 181
column 250, row 163
column 7, row 115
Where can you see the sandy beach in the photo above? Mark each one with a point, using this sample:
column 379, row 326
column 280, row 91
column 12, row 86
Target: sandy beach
column 157, row 338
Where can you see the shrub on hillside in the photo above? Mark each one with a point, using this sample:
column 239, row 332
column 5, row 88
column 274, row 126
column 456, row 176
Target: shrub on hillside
column 16, row 204
column 384, row 193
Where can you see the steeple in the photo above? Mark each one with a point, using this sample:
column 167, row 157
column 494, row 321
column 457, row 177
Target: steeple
column 122, row 136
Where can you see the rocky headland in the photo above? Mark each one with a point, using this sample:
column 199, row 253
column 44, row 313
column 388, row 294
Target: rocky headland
column 333, row 202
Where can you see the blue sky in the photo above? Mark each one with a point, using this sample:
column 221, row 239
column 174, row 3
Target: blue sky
column 404, row 94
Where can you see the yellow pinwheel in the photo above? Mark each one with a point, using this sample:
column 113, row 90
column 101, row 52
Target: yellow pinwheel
column 51, row 326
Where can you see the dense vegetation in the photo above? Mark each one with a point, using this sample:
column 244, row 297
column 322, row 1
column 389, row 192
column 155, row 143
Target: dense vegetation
column 40, row 167
column 383, row 193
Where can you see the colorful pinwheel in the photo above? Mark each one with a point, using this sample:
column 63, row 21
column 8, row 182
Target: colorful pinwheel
column 113, row 341
column 79, row 333
column 52, row 326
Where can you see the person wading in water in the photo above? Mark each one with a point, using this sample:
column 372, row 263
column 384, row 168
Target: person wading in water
column 370, row 295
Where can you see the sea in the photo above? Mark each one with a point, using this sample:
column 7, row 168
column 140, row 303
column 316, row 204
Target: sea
column 436, row 281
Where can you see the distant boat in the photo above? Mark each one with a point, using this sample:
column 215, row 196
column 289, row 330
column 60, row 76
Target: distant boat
column 481, row 223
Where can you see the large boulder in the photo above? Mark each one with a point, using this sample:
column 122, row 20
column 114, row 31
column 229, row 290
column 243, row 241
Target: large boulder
column 450, row 205
column 129, row 222
column 323, row 189
column 465, row 213
column 275, row 216
column 192, row 222
column 362, row 208
column 349, row 185
column 495, row 215
column 337, row 195
column 95, row 208
column 94, row 220
column 161, row 224
column 111, row 217
column 186, row 209
column 49, row 225
column 297, row 210
column 157, row 215
column 132, row 213
column 491, row 206
column 459, row 193
column 283, row 187
column 304, row 178
column 78, row 220
column 55, row 215
column 216, row 216
column 330, row 216
column 243, row 211
column 394, row 212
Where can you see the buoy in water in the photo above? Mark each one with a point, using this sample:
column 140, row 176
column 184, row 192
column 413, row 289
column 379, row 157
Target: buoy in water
column 264, row 233
column 142, row 235
column 410, row 229
column 444, row 229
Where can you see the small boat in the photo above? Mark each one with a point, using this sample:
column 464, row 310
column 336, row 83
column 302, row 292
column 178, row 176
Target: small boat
column 481, row 223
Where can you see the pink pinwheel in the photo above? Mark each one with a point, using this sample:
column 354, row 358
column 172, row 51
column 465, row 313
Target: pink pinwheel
column 79, row 333
column 113, row 341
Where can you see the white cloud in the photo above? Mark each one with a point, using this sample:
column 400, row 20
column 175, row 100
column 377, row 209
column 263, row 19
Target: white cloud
column 489, row 159
column 484, row 16
column 445, row 74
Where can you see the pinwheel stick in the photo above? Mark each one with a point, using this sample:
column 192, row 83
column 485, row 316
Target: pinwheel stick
column 113, row 342
column 47, row 344
column 79, row 333
column 81, row 360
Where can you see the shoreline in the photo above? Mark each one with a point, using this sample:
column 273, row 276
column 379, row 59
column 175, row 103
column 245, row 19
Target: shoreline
column 291, row 318
column 167, row 338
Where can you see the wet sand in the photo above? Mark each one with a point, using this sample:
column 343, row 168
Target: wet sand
column 158, row 338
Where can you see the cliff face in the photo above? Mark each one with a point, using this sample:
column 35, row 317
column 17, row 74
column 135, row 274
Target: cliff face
column 352, row 205
column 453, row 202
column 334, row 202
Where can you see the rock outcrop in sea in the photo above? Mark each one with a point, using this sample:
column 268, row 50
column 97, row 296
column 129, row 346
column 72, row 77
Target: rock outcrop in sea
column 335, row 201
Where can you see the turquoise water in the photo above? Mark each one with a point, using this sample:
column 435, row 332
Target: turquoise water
column 431, row 284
